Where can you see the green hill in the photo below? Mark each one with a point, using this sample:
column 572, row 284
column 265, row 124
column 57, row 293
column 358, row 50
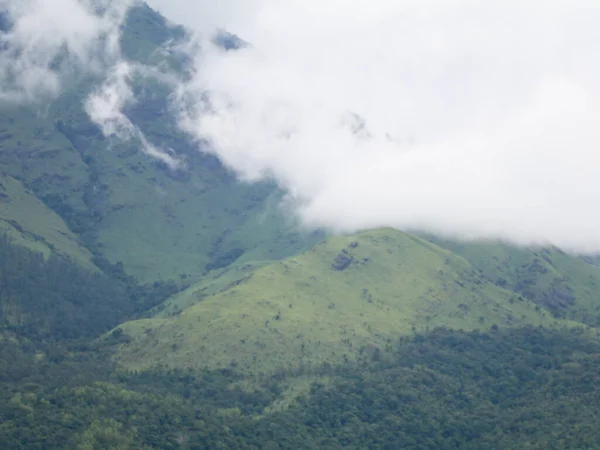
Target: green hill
column 348, row 296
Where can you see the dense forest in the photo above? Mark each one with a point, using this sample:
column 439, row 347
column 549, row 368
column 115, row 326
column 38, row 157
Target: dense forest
column 527, row 387
column 53, row 298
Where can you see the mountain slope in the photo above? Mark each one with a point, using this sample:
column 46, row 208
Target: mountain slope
column 125, row 205
column 347, row 297
column 30, row 223
column 565, row 284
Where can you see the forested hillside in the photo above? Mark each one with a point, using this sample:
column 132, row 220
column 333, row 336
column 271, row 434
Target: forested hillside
column 516, row 388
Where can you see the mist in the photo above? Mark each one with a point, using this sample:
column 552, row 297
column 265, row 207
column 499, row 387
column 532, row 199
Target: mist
column 469, row 120
column 45, row 45
column 44, row 42
column 466, row 119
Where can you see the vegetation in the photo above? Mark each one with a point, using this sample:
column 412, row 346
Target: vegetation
column 332, row 303
column 516, row 388
column 520, row 388
column 49, row 299
column 116, row 201
column 566, row 285
column 144, row 307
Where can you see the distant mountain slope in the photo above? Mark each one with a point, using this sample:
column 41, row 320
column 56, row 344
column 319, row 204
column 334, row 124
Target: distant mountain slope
column 565, row 284
column 128, row 207
column 347, row 297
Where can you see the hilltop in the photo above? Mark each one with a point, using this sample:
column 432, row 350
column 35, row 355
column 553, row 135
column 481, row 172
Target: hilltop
column 348, row 297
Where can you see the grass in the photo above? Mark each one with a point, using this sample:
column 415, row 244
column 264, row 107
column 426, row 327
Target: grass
column 214, row 282
column 163, row 225
column 303, row 312
column 564, row 283
column 30, row 223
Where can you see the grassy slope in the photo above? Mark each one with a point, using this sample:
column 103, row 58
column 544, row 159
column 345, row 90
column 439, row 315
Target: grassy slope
column 303, row 311
column 214, row 282
column 30, row 223
column 565, row 284
column 163, row 227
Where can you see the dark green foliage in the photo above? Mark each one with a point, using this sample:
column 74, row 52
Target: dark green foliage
column 55, row 299
column 342, row 260
column 524, row 388
column 521, row 388
column 56, row 403
column 221, row 260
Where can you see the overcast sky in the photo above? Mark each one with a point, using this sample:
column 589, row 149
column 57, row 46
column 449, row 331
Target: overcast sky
column 467, row 118
column 208, row 14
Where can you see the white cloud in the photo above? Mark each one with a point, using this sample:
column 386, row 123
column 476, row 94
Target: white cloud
column 105, row 108
column 482, row 118
column 49, row 39
column 84, row 35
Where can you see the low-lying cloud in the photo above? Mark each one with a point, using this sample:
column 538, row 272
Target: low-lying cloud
column 43, row 42
column 45, row 45
column 468, row 119
column 105, row 107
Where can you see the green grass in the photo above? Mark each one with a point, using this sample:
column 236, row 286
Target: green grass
column 163, row 227
column 30, row 223
column 214, row 282
column 302, row 311
column 564, row 283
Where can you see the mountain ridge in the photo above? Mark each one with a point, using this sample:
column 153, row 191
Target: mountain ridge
column 345, row 296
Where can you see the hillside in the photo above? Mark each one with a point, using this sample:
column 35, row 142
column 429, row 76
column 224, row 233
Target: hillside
column 345, row 298
column 66, row 189
column 31, row 224
column 566, row 284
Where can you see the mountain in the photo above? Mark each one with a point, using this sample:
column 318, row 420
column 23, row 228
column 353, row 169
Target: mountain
column 30, row 223
column 125, row 206
column 243, row 265
column 345, row 298
column 148, row 307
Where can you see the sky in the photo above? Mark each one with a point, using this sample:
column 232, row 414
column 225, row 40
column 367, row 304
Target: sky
column 474, row 120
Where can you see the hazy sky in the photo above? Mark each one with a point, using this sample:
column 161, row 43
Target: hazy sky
column 468, row 118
